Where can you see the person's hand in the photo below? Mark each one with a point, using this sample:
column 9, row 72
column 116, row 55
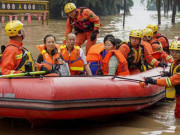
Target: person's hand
column 165, row 73
column 43, row 68
column 94, row 35
column 171, row 60
column 161, row 64
column 150, row 80
column 28, row 67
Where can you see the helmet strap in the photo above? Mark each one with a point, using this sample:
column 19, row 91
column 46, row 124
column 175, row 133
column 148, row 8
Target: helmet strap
column 149, row 38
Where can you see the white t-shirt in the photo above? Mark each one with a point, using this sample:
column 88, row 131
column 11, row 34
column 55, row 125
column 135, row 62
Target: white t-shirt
column 82, row 55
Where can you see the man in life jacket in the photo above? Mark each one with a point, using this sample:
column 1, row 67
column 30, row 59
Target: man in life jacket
column 174, row 75
column 86, row 25
column 161, row 38
column 95, row 56
column 50, row 54
column 156, row 46
column 137, row 54
column 15, row 58
column 74, row 56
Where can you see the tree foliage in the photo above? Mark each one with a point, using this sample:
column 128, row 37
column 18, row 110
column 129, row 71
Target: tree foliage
column 100, row 7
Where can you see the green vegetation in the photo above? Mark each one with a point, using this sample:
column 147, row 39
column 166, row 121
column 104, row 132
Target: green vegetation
column 166, row 4
column 100, row 7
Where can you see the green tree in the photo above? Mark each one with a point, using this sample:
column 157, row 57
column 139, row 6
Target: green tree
column 100, row 7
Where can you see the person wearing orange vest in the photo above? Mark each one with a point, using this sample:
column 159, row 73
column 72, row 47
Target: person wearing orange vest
column 161, row 38
column 156, row 46
column 174, row 75
column 15, row 58
column 86, row 25
column 95, row 56
column 50, row 54
column 74, row 56
column 136, row 53
column 114, row 62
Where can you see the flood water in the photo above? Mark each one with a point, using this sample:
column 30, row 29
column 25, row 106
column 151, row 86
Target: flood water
column 156, row 120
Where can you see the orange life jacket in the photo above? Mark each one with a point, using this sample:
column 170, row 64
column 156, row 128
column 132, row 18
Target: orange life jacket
column 121, row 69
column 76, row 64
column 94, row 53
column 48, row 59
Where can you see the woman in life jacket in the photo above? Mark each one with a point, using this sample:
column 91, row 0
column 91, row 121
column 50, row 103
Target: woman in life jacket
column 156, row 46
column 173, row 76
column 95, row 56
column 49, row 54
column 114, row 62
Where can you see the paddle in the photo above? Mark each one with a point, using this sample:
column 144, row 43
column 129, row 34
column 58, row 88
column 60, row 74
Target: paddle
column 23, row 74
column 134, row 80
column 141, row 82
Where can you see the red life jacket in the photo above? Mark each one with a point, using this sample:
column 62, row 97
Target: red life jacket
column 121, row 70
column 76, row 64
column 48, row 59
column 82, row 25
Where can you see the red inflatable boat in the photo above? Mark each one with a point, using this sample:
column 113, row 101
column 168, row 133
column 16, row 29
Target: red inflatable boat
column 76, row 97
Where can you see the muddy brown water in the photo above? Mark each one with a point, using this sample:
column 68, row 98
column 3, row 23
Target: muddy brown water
column 155, row 120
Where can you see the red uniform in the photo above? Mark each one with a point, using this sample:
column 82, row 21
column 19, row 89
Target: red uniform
column 136, row 58
column 84, row 24
column 174, row 80
column 12, row 57
column 158, row 48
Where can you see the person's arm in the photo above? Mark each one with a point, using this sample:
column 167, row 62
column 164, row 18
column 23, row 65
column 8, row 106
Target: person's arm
column 170, row 81
column 93, row 18
column 167, row 82
column 149, row 58
column 164, row 55
column 68, row 30
column 86, row 66
column 87, row 69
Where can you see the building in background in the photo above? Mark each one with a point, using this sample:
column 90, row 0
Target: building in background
column 24, row 10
